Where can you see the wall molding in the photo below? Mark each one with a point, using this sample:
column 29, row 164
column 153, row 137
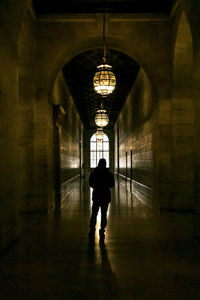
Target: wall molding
column 67, row 187
column 136, row 182
column 143, row 193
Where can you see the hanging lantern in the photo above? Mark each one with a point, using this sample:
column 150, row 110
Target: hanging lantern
column 104, row 80
column 99, row 134
column 101, row 118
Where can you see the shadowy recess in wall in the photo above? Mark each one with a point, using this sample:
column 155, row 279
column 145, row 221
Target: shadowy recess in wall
column 79, row 73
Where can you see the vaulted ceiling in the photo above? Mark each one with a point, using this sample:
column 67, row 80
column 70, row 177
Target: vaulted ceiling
column 79, row 73
column 80, row 70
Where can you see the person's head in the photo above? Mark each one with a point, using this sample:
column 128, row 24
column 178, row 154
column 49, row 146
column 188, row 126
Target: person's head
column 102, row 163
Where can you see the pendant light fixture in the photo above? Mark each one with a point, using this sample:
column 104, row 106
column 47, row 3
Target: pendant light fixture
column 99, row 134
column 101, row 118
column 104, row 80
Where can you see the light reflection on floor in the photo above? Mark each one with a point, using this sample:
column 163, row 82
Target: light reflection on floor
column 147, row 255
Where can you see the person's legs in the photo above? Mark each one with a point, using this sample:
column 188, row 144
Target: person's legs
column 93, row 219
column 104, row 209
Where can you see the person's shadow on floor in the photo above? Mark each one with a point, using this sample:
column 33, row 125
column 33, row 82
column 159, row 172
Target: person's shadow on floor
column 104, row 283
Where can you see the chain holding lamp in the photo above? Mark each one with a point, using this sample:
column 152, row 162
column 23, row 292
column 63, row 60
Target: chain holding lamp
column 104, row 80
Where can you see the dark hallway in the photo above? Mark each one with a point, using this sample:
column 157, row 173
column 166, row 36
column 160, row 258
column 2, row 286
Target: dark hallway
column 147, row 254
column 82, row 80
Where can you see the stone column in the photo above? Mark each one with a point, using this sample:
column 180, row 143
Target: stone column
column 27, row 54
column 9, row 143
column 183, row 119
column 162, row 154
column 196, row 93
column 59, row 114
column 44, row 193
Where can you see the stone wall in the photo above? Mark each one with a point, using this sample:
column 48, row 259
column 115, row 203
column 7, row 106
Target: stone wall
column 134, row 133
column 36, row 127
column 194, row 21
column 182, row 118
column 71, row 134
column 27, row 53
column 10, row 124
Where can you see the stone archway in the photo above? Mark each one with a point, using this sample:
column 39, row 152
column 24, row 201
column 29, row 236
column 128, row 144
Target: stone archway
column 71, row 71
column 58, row 42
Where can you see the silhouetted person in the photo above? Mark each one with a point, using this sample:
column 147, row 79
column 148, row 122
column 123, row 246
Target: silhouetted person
column 101, row 180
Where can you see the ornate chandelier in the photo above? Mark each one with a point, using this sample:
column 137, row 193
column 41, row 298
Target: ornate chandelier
column 99, row 134
column 104, row 80
column 101, row 118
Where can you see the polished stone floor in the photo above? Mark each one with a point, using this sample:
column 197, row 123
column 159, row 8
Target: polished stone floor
column 147, row 254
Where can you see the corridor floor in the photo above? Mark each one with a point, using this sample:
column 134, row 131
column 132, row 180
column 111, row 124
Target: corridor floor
column 147, row 254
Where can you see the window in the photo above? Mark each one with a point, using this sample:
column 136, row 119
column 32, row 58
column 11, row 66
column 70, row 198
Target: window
column 99, row 150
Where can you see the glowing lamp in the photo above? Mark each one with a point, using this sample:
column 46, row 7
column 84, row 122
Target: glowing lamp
column 101, row 118
column 104, row 80
column 99, row 134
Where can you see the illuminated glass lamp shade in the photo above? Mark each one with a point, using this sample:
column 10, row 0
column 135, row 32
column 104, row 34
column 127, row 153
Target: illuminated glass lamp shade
column 104, row 80
column 101, row 118
column 99, row 134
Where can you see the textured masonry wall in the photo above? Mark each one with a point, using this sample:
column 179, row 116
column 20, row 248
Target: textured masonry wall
column 9, row 130
column 135, row 139
column 27, row 54
column 71, row 132
column 182, row 119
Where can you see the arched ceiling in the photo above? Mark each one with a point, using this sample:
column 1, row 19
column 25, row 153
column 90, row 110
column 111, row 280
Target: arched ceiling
column 79, row 73
column 93, row 6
